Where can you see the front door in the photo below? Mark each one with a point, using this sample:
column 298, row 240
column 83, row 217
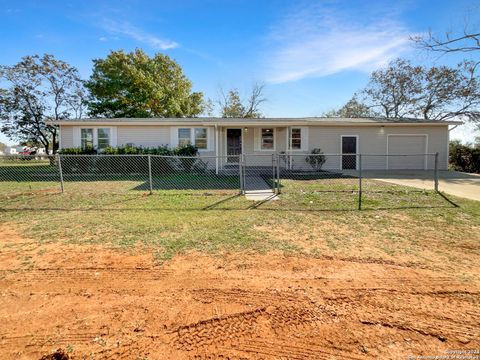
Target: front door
column 349, row 146
column 234, row 145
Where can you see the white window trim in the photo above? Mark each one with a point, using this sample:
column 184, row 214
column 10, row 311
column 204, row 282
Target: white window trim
column 174, row 139
column 206, row 137
column 356, row 150
column 112, row 139
column 260, row 139
column 178, row 134
column 303, row 139
column 425, row 160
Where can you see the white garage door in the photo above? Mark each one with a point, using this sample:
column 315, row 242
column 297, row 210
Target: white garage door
column 412, row 145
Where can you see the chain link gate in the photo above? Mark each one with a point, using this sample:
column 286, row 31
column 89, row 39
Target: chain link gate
column 259, row 173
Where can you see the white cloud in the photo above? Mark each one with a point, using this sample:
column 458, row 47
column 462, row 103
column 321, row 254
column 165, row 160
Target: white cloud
column 317, row 41
column 131, row 31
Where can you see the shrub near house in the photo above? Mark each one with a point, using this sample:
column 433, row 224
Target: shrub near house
column 464, row 157
column 128, row 165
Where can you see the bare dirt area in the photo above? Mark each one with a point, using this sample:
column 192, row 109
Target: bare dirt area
column 92, row 302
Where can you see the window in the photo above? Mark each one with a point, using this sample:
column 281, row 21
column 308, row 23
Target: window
column 193, row 136
column 98, row 138
column 86, row 138
column 267, row 139
column 184, row 137
column 201, row 138
column 296, row 139
column 103, row 138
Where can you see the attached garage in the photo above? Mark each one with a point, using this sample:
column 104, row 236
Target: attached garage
column 406, row 145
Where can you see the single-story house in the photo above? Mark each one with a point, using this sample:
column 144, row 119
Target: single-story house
column 224, row 137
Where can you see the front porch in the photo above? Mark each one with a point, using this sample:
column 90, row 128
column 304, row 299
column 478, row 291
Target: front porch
column 257, row 145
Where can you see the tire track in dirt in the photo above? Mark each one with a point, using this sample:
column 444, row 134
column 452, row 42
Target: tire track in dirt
column 104, row 273
column 250, row 324
column 276, row 313
column 439, row 315
column 295, row 349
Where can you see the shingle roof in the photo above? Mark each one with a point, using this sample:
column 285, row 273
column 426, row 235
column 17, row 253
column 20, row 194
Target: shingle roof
column 221, row 121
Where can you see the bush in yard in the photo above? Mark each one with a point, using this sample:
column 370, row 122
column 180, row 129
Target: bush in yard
column 316, row 159
column 78, row 151
column 131, row 164
column 464, row 157
column 74, row 164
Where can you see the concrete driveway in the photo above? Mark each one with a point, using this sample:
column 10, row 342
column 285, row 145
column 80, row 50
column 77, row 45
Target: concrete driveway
column 450, row 182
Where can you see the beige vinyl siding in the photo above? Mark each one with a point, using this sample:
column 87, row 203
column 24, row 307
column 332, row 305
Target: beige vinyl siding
column 66, row 137
column 373, row 140
column 411, row 145
column 146, row 136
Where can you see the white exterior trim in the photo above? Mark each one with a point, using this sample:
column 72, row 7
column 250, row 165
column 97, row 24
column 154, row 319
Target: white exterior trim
column 257, row 141
column 357, row 146
column 77, row 135
column 303, row 139
column 60, row 147
column 425, row 151
column 174, row 136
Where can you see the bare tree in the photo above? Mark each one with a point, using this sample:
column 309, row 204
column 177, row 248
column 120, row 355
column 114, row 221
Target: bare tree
column 436, row 93
column 393, row 90
column 449, row 43
column 448, row 92
column 254, row 101
column 352, row 109
column 233, row 106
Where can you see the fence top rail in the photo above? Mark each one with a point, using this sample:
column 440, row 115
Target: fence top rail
column 151, row 155
column 22, row 156
column 357, row 154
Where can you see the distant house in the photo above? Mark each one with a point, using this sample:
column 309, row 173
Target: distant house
column 229, row 137
column 13, row 150
column 18, row 149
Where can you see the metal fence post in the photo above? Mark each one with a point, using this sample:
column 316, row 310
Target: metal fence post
column 150, row 173
column 278, row 174
column 244, row 173
column 274, row 177
column 240, row 173
column 59, row 162
column 359, row 181
column 436, row 172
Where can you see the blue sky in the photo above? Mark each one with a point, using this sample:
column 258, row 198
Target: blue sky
column 312, row 55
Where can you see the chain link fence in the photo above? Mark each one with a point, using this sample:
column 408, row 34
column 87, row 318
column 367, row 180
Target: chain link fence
column 310, row 181
column 21, row 174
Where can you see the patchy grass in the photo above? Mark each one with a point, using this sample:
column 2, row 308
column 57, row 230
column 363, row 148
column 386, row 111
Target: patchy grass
column 434, row 233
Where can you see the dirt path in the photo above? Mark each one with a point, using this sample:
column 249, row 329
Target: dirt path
column 96, row 303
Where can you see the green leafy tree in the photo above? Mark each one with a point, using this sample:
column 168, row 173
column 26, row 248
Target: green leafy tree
column 40, row 90
column 136, row 85
column 2, row 147
column 464, row 157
